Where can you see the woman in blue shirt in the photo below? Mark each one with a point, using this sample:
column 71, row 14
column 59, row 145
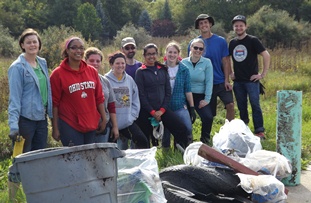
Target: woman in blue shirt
column 201, row 74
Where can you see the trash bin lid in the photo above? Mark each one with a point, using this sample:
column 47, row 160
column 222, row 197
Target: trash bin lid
column 50, row 152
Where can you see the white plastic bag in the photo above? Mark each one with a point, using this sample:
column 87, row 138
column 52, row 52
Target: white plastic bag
column 270, row 162
column 191, row 156
column 138, row 177
column 237, row 136
column 265, row 188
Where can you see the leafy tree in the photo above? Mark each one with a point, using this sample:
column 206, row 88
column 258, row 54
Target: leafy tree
column 52, row 43
column 103, row 19
column 277, row 27
column 305, row 10
column 163, row 28
column 166, row 12
column 118, row 14
column 292, row 7
column 34, row 13
column 10, row 16
column 154, row 8
column 62, row 12
column 8, row 45
column 87, row 22
column 145, row 21
column 135, row 8
column 185, row 14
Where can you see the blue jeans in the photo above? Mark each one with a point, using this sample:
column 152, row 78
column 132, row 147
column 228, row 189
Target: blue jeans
column 71, row 137
column 250, row 89
column 123, row 142
column 102, row 138
column 35, row 133
column 184, row 116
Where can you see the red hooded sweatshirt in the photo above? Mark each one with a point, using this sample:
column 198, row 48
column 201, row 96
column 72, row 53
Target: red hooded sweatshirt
column 77, row 95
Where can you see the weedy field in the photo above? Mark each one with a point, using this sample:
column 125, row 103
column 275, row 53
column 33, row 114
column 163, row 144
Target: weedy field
column 290, row 70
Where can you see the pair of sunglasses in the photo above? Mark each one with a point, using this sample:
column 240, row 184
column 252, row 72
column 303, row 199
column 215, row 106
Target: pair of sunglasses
column 128, row 48
column 200, row 48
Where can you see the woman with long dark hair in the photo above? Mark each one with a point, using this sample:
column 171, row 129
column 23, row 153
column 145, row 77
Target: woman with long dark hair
column 78, row 101
column 154, row 88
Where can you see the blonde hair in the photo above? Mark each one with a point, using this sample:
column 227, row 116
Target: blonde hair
column 196, row 40
column 176, row 46
column 173, row 44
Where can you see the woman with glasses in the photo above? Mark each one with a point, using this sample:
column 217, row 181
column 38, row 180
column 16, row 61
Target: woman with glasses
column 154, row 88
column 78, row 101
column 94, row 57
column 201, row 74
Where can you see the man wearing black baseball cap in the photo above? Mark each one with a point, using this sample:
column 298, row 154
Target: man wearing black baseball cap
column 244, row 50
column 216, row 49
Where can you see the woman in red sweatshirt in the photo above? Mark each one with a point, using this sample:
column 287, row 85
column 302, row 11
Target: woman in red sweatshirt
column 78, row 101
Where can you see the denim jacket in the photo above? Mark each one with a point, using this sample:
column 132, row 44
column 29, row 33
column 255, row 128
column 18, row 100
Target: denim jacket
column 25, row 99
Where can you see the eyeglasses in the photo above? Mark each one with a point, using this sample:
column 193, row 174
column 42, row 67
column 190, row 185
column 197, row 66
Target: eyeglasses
column 200, row 48
column 77, row 48
column 128, row 48
column 152, row 54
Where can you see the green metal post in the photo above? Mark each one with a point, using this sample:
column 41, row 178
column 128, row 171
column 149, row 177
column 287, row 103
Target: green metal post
column 288, row 131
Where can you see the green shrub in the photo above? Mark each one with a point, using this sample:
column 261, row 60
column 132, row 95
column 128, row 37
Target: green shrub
column 129, row 30
column 52, row 39
column 8, row 45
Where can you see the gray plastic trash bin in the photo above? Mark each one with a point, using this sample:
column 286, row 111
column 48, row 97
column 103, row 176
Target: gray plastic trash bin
column 86, row 173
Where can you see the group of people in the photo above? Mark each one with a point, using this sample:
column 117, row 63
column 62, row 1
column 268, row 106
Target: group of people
column 121, row 106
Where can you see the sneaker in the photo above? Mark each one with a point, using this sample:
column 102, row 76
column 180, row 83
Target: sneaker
column 261, row 135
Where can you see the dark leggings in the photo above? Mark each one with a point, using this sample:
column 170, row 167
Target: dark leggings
column 170, row 121
column 205, row 114
column 134, row 133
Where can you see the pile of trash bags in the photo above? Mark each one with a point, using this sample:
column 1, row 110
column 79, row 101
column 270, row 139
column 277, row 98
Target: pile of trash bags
column 199, row 180
column 236, row 141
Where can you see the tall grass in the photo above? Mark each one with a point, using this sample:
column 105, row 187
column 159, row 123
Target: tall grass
column 290, row 70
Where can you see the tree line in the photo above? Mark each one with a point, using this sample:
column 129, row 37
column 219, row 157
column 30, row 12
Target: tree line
column 277, row 22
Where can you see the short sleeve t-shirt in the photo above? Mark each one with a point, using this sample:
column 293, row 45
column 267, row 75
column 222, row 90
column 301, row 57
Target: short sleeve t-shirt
column 244, row 54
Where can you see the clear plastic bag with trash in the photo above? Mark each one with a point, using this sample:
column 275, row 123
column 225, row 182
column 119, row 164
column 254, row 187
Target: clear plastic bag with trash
column 264, row 188
column 237, row 136
column 269, row 163
column 138, row 177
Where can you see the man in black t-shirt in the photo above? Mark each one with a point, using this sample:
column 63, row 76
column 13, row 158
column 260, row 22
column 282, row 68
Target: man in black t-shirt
column 244, row 50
